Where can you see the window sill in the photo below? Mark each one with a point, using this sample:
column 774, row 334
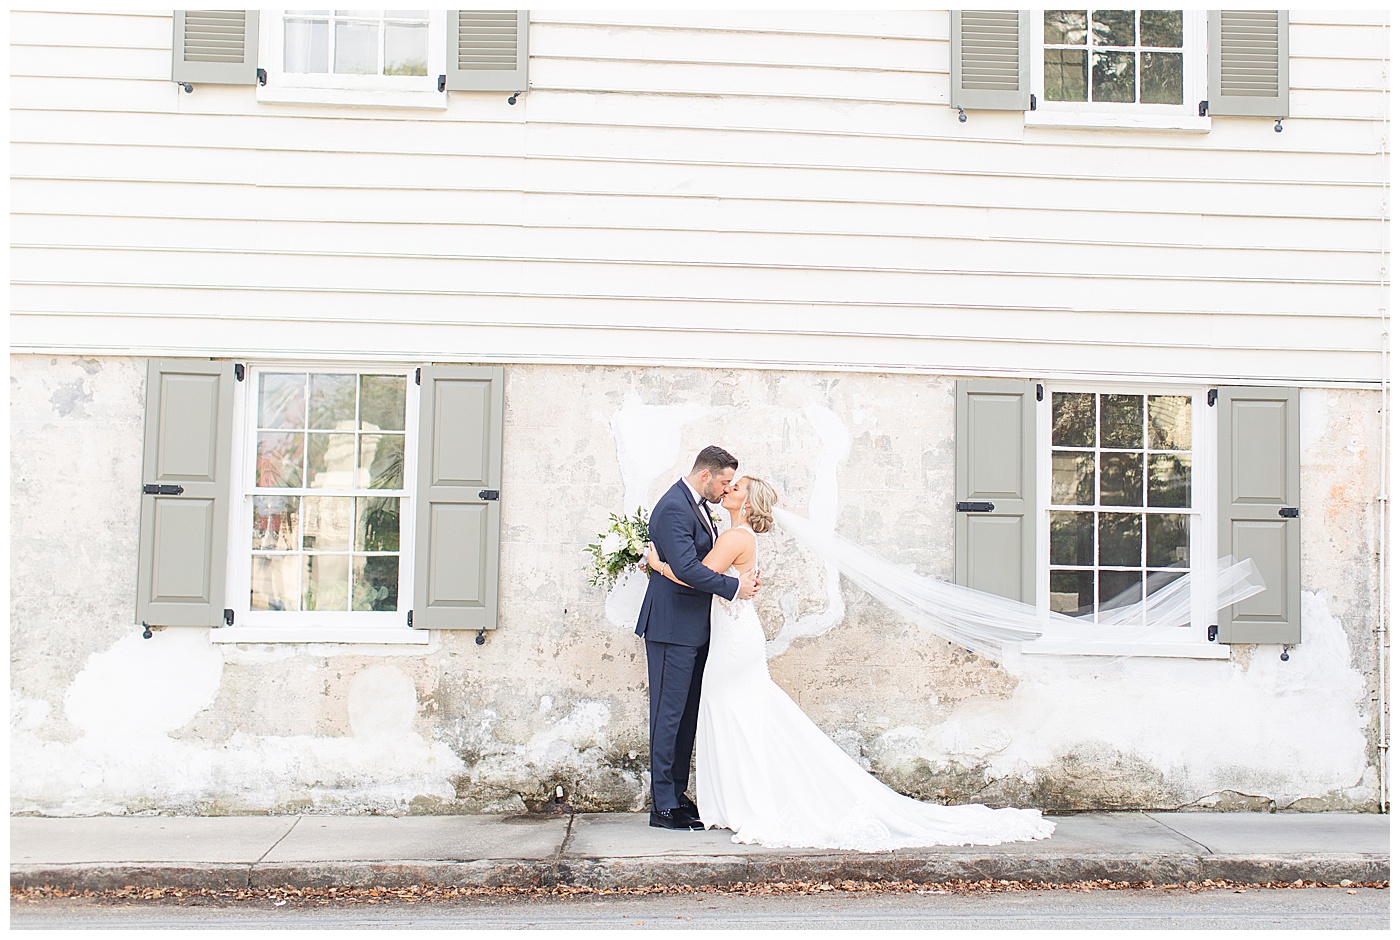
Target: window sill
column 353, row 97
column 1119, row 122
column 1158, row 650
column 295, row 634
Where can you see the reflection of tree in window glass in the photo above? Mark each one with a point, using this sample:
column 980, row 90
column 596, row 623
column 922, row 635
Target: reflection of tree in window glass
column 356, row 42
column 1114, row 56
column 328, row 480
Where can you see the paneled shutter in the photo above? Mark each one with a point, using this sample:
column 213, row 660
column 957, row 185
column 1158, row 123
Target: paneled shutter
column 487, row 50
column 1248, row 53
column 1259, row 457
column 995, row 547
column 185, row 493
column 456, row 561
column 217, row 47
column 990, row 60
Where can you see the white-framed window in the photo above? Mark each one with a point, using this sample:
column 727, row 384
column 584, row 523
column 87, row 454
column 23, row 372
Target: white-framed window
column 354, row 57
column 1129, row 68
column 321, row 527
column 1123, row 476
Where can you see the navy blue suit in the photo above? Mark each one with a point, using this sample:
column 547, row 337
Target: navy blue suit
column 675, row 622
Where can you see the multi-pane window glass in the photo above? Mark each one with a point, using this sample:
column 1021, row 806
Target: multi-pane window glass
column 356, row 42
column 328, row 479
column 1120, row 497
column 1121, row 56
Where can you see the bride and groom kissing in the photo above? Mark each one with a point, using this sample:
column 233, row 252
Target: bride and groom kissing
column 763, row 769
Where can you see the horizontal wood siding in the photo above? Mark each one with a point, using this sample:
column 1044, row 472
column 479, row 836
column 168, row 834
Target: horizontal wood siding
column 751, row 188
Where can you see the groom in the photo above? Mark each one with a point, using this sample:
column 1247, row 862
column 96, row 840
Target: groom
column 675, row 622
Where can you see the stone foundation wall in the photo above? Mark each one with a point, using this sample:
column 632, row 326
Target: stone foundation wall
column 103, row 721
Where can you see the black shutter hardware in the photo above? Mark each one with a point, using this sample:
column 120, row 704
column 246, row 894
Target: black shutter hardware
column 489, row 494
column 1202, row 108
column 410, row 618
column 162, row 489
column 442, row 83
column 1039, row 392
column 238, row 371
column 975, row 507
column 1288, row 512
column 228, row 616
column 262, row 76
column 418, row 376
column 1211, row 631
column 1211, row 396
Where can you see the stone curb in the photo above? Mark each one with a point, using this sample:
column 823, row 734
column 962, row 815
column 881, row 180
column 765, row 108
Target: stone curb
column 710, row 870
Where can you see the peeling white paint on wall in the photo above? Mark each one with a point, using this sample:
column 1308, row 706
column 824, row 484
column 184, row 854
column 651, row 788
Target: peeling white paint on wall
column 1290, row 729
column 129, row 698
column 822, row 509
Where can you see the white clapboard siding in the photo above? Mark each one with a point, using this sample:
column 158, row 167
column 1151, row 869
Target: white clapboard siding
column 673, row 175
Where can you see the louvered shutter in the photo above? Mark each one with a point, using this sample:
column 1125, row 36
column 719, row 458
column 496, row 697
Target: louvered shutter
column 217, row 47
column 990, row 60
column 456, row 561
column 1258, row 482
column 487, row 50
column 184, row 529
column 1248, row 53
column 995, row 457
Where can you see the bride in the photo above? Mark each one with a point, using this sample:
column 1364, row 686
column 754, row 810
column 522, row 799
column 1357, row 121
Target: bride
column 766, row 772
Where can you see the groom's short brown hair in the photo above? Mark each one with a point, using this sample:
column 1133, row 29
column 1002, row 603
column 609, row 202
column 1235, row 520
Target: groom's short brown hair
column 714, row 459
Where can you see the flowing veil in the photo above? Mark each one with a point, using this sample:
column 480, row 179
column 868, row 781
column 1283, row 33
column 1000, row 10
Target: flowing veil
column 994, row 626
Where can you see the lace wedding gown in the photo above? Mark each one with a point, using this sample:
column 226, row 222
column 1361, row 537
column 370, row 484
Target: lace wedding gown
column 765, row 771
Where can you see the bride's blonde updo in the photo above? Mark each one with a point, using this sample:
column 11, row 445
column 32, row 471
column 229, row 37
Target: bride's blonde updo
column 761, row 499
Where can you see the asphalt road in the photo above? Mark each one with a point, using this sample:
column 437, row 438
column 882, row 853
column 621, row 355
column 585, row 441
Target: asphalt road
column 1255, row 909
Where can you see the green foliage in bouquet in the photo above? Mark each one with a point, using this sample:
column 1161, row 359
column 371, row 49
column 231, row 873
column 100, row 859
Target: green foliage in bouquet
column 623, row 544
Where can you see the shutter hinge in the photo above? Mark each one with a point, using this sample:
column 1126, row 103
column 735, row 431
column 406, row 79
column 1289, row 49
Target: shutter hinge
column 489, row 494
column 418, row 376
column 975, row 507
column 228, row 616
column 1212, row 632
column 162, row 489
column 1211, row 396
column 410, row 618
column 262, row 76
column 1202, row 108
column 1032, row 102
column 442, row 83
column 1288, row 512
column 1039, row 392
column 238, row 371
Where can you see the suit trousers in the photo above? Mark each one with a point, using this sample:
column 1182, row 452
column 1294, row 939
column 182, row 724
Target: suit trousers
column 674, row 674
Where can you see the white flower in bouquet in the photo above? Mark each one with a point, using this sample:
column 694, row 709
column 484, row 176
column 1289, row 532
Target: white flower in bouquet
column 613, row 543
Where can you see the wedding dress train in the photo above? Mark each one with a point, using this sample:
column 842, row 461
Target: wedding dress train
column 765, row 771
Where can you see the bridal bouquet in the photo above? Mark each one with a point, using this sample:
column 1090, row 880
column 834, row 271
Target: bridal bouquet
column 620, row 546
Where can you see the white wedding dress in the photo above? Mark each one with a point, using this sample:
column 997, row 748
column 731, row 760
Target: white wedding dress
column 765, row 771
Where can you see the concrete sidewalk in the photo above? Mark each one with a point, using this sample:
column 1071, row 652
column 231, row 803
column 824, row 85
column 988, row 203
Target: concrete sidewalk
column 620, row 849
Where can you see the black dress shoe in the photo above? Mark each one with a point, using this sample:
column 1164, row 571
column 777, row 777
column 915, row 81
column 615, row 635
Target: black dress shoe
column 689, row 806
column 674, row 819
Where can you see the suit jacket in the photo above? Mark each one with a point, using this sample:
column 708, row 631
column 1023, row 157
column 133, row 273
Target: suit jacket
column 673, row 613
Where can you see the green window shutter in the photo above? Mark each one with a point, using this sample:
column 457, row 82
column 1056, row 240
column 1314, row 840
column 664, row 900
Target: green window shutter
column 995, row 550
column 1258, row 473
column 1248, row 56
column 216, row 47
column 487, row 50
column 990, row 60
column 184, row 534
column 457, row 541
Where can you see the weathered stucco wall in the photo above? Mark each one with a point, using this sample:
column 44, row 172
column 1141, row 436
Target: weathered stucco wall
column 105, row 722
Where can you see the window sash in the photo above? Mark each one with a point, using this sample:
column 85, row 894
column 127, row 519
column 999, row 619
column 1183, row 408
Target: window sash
column 1193, row 85
column 273, row 43
column 1201, row 511
column 336, row 624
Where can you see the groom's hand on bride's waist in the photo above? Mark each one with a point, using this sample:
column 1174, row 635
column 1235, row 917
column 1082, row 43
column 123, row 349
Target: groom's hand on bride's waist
column 749, row 584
